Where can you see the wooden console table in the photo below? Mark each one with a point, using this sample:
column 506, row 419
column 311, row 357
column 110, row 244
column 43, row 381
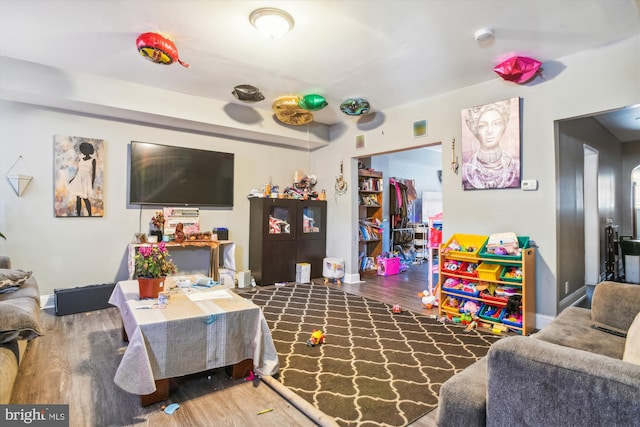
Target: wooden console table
column 212, row 245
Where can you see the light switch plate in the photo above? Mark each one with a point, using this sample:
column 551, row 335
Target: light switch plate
column 530, row 184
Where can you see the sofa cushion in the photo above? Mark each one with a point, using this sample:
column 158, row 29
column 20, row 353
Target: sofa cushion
column 632, row 345
column 462, row 400
column 536, row 383
column 573, row 328
column 19, row 319
column 28, row 289
column 615, row 304
column 12, row 278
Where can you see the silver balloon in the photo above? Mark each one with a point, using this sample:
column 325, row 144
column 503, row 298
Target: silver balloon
column 247, row 93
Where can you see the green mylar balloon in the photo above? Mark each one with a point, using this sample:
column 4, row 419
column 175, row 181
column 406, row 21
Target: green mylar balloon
column 312, row 102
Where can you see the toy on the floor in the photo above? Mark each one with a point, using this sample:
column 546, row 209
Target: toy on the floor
column 428, row 300
column 333, row 269
column 316, row 338
column 396, row 308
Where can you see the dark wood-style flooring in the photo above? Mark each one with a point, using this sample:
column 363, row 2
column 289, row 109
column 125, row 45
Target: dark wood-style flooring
column 75, row 361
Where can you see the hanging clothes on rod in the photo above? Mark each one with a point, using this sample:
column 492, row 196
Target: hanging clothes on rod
column 401, row 195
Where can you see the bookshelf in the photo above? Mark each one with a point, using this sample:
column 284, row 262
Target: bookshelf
column 370, row 219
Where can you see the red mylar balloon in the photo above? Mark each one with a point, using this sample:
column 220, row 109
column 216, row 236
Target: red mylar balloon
column 158, row 49
column 519, row 69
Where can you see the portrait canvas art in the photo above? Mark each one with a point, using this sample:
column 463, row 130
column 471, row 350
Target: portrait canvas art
column 78, row 180
column 491, row 145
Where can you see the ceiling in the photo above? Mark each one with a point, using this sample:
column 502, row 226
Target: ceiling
column 389, row 52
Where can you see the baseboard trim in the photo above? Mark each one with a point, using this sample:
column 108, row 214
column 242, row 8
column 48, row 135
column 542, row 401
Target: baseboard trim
column 47, row 301
column 352, row 278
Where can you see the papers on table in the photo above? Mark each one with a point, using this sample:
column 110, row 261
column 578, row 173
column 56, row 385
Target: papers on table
column 205, row 295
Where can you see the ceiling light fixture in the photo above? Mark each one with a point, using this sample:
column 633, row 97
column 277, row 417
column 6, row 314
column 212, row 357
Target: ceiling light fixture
column 271, row 22
column 483, row 34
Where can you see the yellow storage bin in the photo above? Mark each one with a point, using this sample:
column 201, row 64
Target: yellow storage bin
column 488, row 271
column 464, row 245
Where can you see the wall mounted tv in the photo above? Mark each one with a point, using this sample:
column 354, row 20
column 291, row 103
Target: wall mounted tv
column 178, row 176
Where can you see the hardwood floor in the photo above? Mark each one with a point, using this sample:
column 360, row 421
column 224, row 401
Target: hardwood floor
column 75, row 361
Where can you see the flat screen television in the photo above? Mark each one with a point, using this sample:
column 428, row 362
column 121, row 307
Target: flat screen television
column 178, row 176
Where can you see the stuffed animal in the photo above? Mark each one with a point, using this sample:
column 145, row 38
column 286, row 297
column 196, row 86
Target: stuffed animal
column 514, row 305
column 428, row 300
column 179, row 236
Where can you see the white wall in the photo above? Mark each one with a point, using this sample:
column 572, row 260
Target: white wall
column 576, row 85
column 69, row 252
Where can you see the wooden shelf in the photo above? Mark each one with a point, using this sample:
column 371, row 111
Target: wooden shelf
column 370, row 188
column 526, row 286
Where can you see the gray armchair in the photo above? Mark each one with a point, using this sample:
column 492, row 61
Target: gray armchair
column 568, row 374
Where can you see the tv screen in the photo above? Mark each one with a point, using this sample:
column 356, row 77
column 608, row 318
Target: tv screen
column 168, row 175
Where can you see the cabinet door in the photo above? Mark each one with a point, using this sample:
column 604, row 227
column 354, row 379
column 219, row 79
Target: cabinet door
column 312, row 220
column 279, row 219
column 278, row 263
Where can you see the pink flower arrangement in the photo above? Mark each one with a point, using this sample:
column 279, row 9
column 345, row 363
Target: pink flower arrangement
column 154, row 261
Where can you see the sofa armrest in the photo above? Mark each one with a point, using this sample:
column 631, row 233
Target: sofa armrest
column 5, row 262
column 615, row 304
column 534, row 383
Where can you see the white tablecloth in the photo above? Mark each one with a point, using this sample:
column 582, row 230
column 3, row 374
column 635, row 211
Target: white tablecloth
column 188, row 336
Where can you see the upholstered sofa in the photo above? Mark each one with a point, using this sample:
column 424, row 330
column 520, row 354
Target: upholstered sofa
column 19, row 322
column 567, row 374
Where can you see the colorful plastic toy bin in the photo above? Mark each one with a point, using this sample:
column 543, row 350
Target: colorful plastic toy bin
column 523, row 243
column 388, row 266
column 487, row 271
column 511, row 274
column 512, row 322
column 461, row 287
column 451, row 305
column 470, row 245
column 461, row 268
column 500, row 301
column 491, row 313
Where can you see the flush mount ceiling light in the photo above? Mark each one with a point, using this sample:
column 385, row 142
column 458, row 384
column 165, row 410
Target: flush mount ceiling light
column 271, row 22
column 483, row 34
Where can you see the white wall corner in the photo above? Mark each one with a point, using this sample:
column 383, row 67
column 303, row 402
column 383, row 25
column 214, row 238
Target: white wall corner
column 352, row 278
column 542, row 320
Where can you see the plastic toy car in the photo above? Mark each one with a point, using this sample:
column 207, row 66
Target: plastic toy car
column 316, row 338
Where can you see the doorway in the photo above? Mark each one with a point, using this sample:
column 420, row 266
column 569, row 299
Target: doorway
column 421, row 165
column 591, row 216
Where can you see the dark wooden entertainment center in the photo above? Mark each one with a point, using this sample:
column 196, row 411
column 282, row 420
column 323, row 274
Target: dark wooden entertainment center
column 284, row 232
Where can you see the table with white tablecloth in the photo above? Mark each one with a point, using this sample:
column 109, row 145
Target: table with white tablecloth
column 200, row 329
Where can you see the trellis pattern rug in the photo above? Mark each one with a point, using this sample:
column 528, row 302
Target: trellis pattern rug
column 376, row 367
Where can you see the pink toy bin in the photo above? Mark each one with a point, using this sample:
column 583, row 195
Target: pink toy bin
column 388, row 266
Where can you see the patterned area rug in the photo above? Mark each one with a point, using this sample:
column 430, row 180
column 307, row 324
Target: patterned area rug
column 376, row 367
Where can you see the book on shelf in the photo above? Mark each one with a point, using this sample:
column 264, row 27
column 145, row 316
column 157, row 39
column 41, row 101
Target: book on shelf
column 370, row 229
column 371, row 184
column 366, row 262
column 369, row 200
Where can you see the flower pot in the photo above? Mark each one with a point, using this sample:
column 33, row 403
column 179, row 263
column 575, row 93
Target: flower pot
column 150, row 286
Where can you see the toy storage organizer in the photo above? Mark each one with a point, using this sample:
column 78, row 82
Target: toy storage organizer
column 470, row 276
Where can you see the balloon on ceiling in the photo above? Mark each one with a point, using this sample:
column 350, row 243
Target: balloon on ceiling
column 355, row 107
column 518, row 69
column 289, row 112
column 247, row 93
column 159, row 49
column 312, row 102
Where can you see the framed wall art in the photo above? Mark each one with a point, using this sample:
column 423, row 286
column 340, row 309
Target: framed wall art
column 78, row 179
column 491, row 145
